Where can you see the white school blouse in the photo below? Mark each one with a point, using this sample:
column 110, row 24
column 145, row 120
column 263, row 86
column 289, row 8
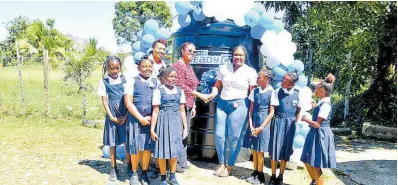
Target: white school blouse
column 275, row 99
column 101, row 91
column 236, row 84
column 325, row 109
column 157, row 97
column 262, row 91
column 129, row 88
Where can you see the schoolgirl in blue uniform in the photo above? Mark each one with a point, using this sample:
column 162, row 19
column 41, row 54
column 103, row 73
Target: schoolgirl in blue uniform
column 138, row 100
column 319, row 148
column 258, row 133
column 111, row 89
column 287, row 108
column 168, row 124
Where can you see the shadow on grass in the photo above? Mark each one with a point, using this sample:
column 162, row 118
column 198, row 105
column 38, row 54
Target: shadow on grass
column 104, row 167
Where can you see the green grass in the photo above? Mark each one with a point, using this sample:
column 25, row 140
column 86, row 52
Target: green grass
column 65, row 101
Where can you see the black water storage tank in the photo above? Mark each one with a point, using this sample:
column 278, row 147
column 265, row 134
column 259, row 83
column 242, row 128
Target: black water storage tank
column 214, row 43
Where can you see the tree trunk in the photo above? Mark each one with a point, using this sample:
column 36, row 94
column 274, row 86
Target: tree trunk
column 19, row 63
column 46, row 85
column 84, row 90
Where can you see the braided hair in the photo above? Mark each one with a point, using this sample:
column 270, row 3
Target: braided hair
column 164, row 72
column 327, row 84
column 267, row 73
column 143, row 58
column 294, row 76
column 105, row 65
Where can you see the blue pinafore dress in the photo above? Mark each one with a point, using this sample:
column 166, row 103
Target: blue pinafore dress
column 260, row 113
column 115, row 134
column 283, row 126
column 319, row 149
column 168, row 126
column 139, row 136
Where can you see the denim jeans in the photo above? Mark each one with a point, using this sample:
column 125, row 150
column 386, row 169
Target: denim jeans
column 231, row 122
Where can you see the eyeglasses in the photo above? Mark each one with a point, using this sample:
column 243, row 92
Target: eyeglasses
column 190, row 51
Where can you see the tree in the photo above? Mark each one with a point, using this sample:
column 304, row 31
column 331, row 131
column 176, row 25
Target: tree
column 79, row 66
column 50, row 44
column 131, row 16
column 357, row 42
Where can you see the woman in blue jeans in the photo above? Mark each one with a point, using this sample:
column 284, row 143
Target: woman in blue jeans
column 234, row 80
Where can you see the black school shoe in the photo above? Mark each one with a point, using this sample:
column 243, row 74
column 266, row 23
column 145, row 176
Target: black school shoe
column 153, row 173
column 112, row 175
column 259, row 179
column 313, row 182
column 280, row 179
column 252, row 177
column 273, row 180
column 144, row 179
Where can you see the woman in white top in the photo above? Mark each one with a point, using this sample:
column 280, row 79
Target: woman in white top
column 234, row 80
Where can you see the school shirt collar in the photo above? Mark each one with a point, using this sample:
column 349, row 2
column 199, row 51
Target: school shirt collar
column 268, row 88
column 324, row 99
column 289, row 91
column 167, row 89
column 143, row 79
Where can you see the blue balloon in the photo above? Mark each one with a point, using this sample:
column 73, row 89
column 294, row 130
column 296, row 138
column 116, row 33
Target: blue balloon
column 257, row 31
column 148, row 51
column 196, row 3
column 302, row 81
column 183, row 7
column 198, row 15
column 277, row 26
column 184, row 20
column 278, row 73
column 138, row 56
column 120, row 153
column 106, row 151
column 259, row 8
column 143, row 48
column 266, row 20
column 151, row 26
column 252, row 18
column 148, row 40
column 137, row 46
column 298, row 128
column 298, row 141
column 162, row 33
column 304, row 130
column 297, row 65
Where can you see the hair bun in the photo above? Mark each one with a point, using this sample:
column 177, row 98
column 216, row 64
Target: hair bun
column 330, row 78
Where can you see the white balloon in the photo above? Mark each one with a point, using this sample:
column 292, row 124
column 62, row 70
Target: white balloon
column 291, row 48
column 305, row 96
column 208, row 8
column 286, row 59
column 272, row 62
column 285, row 36
column 269, row 36
column 220, row 17
column 267, row 49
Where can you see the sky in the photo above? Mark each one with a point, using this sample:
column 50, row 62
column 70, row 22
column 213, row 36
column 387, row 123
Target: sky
column 83, row 19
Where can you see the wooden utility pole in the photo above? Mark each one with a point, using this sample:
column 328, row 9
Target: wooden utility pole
column 46, row 85
column 19, row 63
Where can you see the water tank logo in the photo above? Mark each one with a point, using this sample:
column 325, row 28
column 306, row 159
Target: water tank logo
column 214, row 57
